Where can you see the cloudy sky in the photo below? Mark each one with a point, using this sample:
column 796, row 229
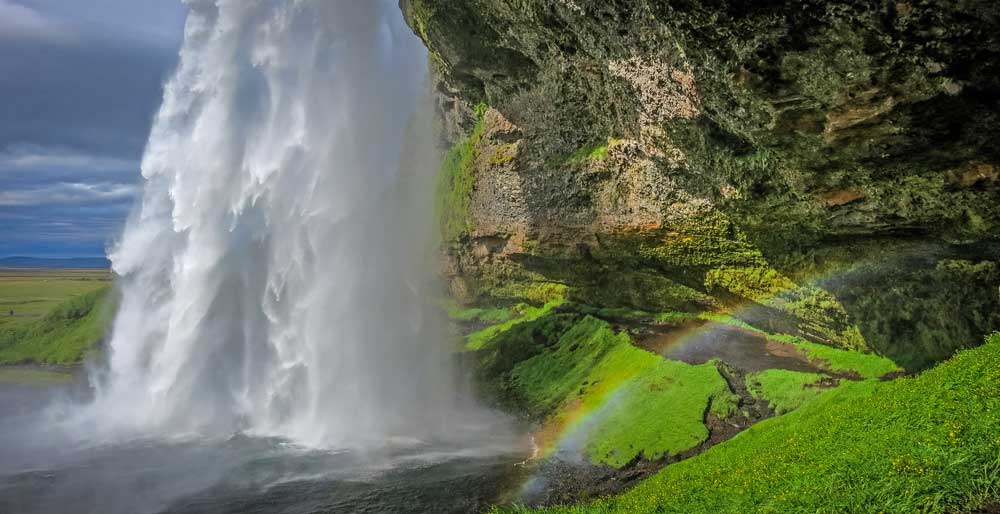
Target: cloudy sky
column 80, row 81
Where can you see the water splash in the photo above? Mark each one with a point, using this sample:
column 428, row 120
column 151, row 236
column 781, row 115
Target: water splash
column 271, row 272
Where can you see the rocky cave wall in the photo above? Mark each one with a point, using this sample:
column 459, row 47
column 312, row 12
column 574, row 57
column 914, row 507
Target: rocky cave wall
column 825, row 169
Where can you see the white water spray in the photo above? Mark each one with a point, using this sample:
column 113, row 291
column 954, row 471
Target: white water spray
column 267, row 280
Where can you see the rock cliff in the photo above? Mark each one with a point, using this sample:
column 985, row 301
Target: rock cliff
column 822, row 169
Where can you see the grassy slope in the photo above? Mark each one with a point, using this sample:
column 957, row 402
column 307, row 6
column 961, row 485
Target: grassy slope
column 518, row 314
column 63, row 336
column 586, row 379
column 784, row 390
column 660, row 412
column 925, row 444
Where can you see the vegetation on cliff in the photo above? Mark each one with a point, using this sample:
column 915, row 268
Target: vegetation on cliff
column 455, row 183
column 818, row 169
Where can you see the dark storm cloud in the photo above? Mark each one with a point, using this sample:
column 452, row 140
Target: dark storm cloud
column 79, row 85
column 91, row 93
column 57, row 229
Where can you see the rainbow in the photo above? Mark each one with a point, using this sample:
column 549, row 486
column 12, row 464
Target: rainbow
column 566, row 434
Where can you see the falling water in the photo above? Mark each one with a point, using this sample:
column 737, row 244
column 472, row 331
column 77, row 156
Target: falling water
column 271, row 272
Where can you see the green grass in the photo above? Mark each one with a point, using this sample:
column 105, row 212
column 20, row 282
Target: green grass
column 31, row 294
column 532, row 291
column 456, row 181
column 724, row 404
column 659, row 412
column 928, row 444
column 588, row 357
column 590, row 153
column 63, row 336
column 593, row 387
column 868, row 365
column 485, row 315
column 675, row 318
column 785, row 390
column 478, row 340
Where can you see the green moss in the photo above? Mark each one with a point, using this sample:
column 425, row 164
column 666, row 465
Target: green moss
column 478, row 340
column 660, row 412
column 503, row 154
column 675, row 318
column 63, row 336
column 616, row 401
column 755, row 283
column 785, row 390
column 486, row 315
column 537, row 292
column 708, row 241
column 921, row 316
column 661, row 270
column 867, row 365
column 926, row 444
column 509, row 348
column 587, row 154
column 455, row 183
column 614, row 313
column 640, row 290
column 816, row 310
column 545, row 381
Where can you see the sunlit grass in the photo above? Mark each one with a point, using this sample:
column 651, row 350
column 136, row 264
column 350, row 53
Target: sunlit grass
column 927, row 444
column 598, row 391
column 783, row 389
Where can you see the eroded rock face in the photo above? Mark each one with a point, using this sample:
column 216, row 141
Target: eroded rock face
column 757, row 157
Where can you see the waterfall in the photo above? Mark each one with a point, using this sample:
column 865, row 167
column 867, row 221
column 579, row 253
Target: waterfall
column 271, row 273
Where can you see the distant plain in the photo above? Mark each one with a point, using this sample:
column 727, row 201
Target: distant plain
column 32, row 293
